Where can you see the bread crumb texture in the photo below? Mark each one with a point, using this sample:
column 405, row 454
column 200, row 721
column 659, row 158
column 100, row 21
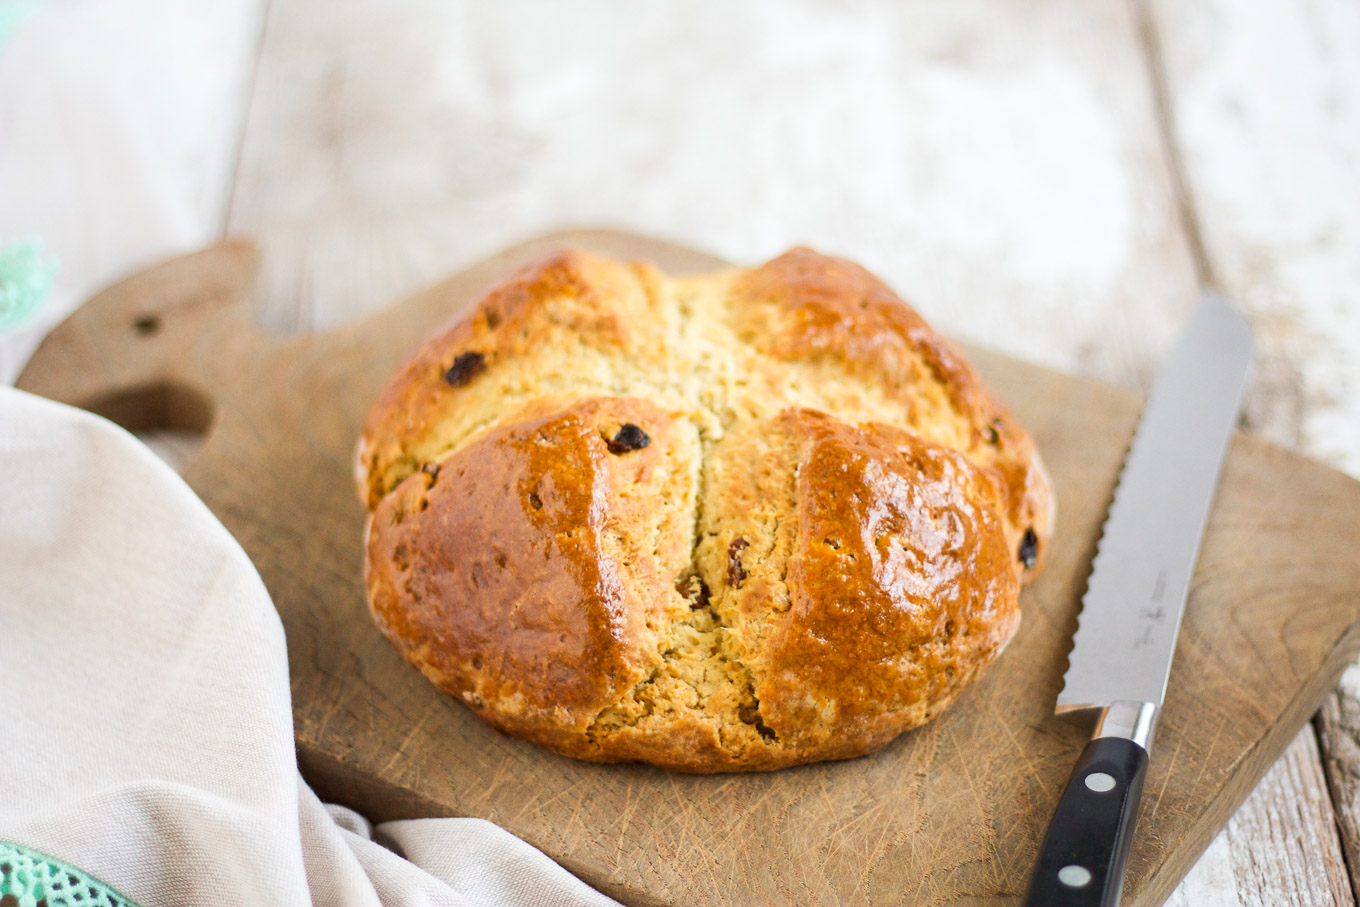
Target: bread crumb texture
column 731, row 522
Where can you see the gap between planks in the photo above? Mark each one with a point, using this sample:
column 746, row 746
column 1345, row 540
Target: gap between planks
column 1338, row 729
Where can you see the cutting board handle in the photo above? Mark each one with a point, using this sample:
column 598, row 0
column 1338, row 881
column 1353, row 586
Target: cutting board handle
column 151, row 351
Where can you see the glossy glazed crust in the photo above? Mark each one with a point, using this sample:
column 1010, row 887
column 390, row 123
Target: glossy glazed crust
column 902, row 584
column 734, row 522
column 528, row 573
column 804, row 305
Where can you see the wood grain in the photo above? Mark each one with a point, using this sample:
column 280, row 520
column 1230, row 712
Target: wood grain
column 1284, row 837
column 1280, row 849
column 949, row 814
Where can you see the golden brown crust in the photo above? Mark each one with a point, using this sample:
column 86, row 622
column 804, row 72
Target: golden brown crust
column 568, row 293
column 734, row 522
column 902, row 584
column 526, row 573
column 829, row 307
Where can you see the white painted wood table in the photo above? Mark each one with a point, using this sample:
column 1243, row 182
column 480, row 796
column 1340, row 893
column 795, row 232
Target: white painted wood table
column 1053, row 178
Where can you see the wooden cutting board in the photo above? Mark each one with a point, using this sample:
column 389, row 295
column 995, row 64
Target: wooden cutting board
column 951, row 813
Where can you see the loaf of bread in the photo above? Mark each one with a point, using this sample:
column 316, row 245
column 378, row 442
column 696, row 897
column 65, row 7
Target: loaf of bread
column 733, row 522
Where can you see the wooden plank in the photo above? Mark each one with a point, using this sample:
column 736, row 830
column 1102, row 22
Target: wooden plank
column 1280, row 849
column 119, row 125
column 998, row 163
column 1265, row 112
column 953, row 811
column 1263, row 106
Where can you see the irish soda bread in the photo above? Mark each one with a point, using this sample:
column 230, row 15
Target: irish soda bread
column 739, row 521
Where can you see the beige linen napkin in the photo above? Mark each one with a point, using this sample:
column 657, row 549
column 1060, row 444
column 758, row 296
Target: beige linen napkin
column 145, row 721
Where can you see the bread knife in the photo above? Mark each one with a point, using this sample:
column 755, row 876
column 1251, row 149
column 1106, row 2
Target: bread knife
column 1131, row 612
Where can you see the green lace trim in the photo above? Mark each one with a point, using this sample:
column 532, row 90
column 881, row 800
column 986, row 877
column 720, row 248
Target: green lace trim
column 29, row 878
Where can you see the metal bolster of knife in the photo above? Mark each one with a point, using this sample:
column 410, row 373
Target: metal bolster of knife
column 1136, row 721
column 1126, row 718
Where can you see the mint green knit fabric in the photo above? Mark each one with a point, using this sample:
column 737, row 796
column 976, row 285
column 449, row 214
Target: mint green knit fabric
column 32, row 878
column 25, row 275
column 13, row 13
column 25, row 280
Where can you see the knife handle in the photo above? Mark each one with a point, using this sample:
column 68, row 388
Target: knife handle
column 1082, row 860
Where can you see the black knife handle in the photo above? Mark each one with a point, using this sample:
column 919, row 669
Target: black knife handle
column 1082, row 860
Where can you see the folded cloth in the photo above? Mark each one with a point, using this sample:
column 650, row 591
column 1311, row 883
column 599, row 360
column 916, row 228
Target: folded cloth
column 146, row 733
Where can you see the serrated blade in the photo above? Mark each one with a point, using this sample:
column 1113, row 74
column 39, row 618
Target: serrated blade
column 1131, row 612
